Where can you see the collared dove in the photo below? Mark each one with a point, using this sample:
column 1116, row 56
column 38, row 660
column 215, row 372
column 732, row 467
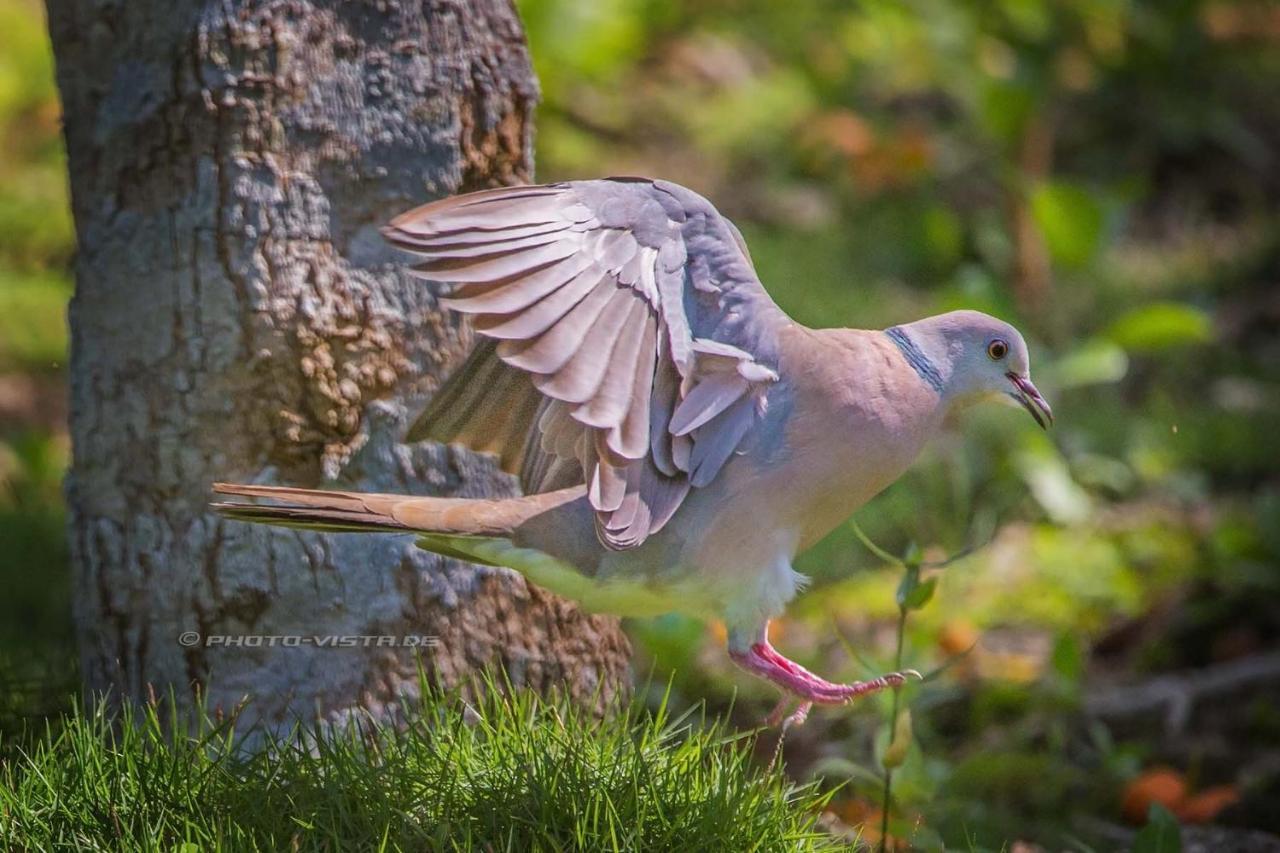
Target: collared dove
column 679, row 438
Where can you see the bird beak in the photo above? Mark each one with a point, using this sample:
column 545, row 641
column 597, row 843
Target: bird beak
column 1029, row 398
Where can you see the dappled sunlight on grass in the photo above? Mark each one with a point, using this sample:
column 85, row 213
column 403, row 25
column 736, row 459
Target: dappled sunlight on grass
column 508, row 771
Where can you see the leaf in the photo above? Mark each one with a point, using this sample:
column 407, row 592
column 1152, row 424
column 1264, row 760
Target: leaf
column 1161, row 326
column 896, row 753
column 920, row 595
column 944, row 234
column 1067, row 658
column 835, row 766
column 913, row 556
column 1097, row 362
column 1070, row 220
column 1004, row 108
column 1161, row 834
column 907, row 586
column 1052, row 485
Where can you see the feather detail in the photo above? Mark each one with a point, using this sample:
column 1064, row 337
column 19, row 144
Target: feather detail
column 608, row 405
column 709, row 397
column 547, row 353
column 717, row 442
column 624, row 324
column 520, row 292
column 631, row 438
column 541, row 315
column 580, row 378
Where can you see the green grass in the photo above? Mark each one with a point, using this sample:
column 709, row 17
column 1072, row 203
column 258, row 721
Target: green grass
column 509, row 772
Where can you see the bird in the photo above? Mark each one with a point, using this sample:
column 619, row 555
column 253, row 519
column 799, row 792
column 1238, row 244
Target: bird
column 679, row 439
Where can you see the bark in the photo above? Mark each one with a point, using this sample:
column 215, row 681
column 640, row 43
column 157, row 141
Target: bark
column 237, row 316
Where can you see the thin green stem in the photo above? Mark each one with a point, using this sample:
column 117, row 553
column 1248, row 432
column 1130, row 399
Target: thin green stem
column 888, row 788
column 893, row 725
column 873, row 547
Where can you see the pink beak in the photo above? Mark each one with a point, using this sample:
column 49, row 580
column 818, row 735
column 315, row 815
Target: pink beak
column 1030, row 399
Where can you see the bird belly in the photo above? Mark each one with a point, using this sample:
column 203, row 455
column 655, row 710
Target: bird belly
column 726, row 554
column 636, row 593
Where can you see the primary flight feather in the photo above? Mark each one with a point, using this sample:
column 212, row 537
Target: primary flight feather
column 679, row 438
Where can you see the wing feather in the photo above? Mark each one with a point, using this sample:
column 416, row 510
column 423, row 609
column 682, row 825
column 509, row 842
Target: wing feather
column 541, row 315
column 580, row 378
column 496, row 267
column 624, row 323
column 708, row 398
column 520, row 292
column 607, row 406
column 713, row 448
column 549, row 352
column 630, row 439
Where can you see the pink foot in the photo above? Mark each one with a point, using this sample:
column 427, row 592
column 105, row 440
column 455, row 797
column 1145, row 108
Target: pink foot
column 763, row 660
column 779, row 716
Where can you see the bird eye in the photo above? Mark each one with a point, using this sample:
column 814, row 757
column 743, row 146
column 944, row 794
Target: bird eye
column 997, row 349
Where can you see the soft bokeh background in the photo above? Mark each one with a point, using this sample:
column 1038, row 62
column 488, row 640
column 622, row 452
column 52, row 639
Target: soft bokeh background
column 1102, row 173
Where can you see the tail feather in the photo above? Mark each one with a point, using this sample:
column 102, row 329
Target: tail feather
column 361, row 512
column 331, row 520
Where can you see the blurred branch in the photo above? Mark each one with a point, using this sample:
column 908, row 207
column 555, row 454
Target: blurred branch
column 1032, row 274
column 1174, row 697
column 585, row 120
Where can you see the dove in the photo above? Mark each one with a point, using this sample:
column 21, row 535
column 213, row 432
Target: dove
column 679, row 439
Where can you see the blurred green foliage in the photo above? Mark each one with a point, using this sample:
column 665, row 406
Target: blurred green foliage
column 1101, row 172
column 37, row 671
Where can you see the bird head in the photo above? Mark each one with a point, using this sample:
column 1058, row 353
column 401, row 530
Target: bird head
column 970, row 356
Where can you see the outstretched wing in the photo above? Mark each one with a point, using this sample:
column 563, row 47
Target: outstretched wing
column 634, row 343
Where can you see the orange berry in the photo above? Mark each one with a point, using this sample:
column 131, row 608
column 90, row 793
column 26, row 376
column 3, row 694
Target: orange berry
column 1206, row 805
column 1158, row 785
column 957, row 636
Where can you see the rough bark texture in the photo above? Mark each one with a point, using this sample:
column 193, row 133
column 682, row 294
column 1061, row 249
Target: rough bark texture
column 237, row 316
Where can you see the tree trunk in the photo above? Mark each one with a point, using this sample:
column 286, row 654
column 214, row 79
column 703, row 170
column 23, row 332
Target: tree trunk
column 237, row 316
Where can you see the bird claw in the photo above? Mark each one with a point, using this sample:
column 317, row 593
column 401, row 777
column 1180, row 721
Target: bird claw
column 901, row 678
column 889, row 679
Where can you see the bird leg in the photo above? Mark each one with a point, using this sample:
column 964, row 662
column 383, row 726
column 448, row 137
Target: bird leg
column 760, row 658
column 779, row 716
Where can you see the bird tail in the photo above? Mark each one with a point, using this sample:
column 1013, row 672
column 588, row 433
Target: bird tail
column 361, row 512
column 474, row 530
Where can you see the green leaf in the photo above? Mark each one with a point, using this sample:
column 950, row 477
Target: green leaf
column 1067, row 657
column 1004, row 108
column 944, row 234
column 1052, row 485
column 1097, row 362
column 1161, row 326
column 896, row 753
column 907, row 586
column 1161, row 834
column 921, row 595
column 1070, row 220
column 913, row 556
